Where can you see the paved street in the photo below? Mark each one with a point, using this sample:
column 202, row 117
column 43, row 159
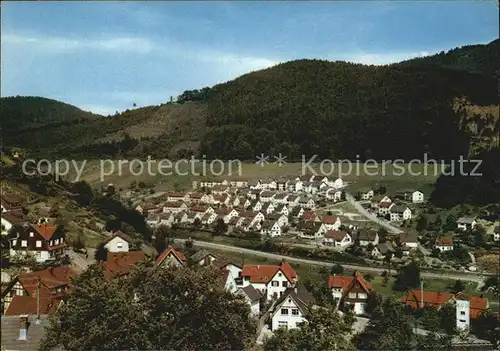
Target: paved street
column 371, row 216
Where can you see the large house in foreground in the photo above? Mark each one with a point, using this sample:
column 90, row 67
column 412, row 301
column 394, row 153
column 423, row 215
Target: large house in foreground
column 38, row 292
column 350, row 291
column 270, row 280
column 44, row 241
column 292, row 307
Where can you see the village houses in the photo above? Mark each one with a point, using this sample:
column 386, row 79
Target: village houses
column 337, row 238
column 271, row 281
column 291, row 308
column 350, row 291
column 444, row 243
column 43, row 241
column 118, row 242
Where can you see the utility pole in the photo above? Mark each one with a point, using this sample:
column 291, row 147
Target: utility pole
column 421, row 293
column 38, row 301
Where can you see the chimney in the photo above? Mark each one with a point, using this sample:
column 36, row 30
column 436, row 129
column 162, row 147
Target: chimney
column 23, row 327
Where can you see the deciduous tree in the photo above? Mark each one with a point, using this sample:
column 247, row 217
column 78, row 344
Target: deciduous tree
column 154, row 309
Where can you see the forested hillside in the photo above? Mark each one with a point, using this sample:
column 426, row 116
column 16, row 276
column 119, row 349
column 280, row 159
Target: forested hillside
column 438, row 105
column 340, row 110
column 481, row 59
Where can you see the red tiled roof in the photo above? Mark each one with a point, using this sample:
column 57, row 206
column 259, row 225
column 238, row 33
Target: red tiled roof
column 173, row 204
column 220, row 198
column 121, row 263
column 345, row 282
column 338, row 235
column 385, row 204
column 177, row 194
column 264, row 273
column 14, row 217
column 435, row 299
column 308, row 215
column 329, row 219
column 430, row 298
column 477, row 306
column 28, row 304
column 339, row 281
column 199, row 208
column 169, row 250
column 445, row 241
column 51, row 277
column 195, row 196
column 45, row 230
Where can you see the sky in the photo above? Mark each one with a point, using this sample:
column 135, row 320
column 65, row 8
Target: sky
column 105, row 56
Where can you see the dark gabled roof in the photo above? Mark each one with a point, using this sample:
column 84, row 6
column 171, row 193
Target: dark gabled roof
column 252, row 293
column 465, row 220
column 385, row 247
column 119, row 234
column 367, row 235
column 399, row 208
column 200, row 255
column 407, row 237
column 300, row 295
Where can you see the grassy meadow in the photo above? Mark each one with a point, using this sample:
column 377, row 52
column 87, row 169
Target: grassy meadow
column 182, row 175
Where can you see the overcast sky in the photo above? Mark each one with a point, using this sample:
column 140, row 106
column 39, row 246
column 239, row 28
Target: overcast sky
column 104, row 56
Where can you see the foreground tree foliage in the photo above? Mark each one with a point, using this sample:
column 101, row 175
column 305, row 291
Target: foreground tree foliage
column 325, row 329
column 179, row 309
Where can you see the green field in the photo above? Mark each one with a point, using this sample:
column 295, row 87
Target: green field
column 394, row 177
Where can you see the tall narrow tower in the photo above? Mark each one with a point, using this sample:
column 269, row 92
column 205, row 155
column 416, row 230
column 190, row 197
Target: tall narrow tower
column 463, row 313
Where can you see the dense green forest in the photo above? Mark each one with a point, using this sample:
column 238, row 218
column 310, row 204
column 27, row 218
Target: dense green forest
column 481, row 59
column 340, row 110
column 311, row 107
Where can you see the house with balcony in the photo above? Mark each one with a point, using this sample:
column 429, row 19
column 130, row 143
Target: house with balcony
column 43, row 241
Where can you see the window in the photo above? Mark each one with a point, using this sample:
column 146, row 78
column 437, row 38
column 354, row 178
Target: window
column 283, row 324
column 352, row 295
column 284, row 284
column 274, row 283
column 362, row 296
column 279, row 274
column 462, row 320
column 14, row 242
column 38, row 243
column 119, row 245
column 462, row 313
column 57, row 241
column 32, row 234
column 295, row 312
column 62, row 240
column 247, row 279
column 24, row 243
column 284, row 311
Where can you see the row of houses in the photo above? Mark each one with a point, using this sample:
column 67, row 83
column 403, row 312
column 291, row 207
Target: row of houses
column 384, row 206
column 279, row 286
column 408, row 195
column 304, row 183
